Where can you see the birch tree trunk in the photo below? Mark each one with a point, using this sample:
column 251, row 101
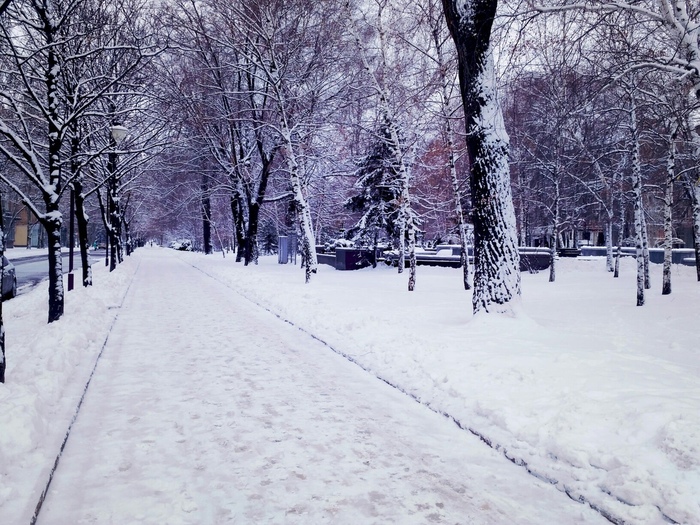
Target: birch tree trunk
column 645, row 247
column 668, row 213
column 496, row 257
column 609, row 262
column 308, row 239
column 555, row 228
column 638, row 210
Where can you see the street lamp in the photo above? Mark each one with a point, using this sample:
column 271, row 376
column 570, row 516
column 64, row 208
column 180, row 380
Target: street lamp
column 118, row 134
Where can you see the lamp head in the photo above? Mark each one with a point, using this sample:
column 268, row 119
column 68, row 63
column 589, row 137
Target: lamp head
column 119, row 133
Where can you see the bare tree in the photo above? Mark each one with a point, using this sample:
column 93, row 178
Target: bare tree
column 672, row 44
column 496, row 257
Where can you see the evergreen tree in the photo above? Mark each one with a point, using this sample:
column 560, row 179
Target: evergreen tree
column 379, row 190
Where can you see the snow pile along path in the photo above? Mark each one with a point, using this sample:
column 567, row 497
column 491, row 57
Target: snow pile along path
column 48, row 367
column 207, row 410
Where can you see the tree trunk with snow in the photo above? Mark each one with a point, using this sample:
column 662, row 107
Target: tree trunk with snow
column 618, row 255
column 496, row 257
column 609, row 258
column 409, row 223
column 693, row 186
column 668, row 214
column 82, row 221
column 79, row 199
column 238, row 226
column 645, row 248
column 638, row 208
column 206, row 215
column 53, row 220
column 112, row 211
column 555, row 229
column 308, row 239
column 251, row 251
column 3, row 362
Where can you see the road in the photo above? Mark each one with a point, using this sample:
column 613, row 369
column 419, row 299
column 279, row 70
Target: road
column 205, row 409
column 32, row 270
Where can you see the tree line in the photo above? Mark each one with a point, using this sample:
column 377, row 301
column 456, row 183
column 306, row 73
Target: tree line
column 382, row 122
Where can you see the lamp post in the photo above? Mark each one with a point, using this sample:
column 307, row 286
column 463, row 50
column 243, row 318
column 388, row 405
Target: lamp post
column 117, row 134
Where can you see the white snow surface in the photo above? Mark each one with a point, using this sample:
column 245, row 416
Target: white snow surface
column 204, row 408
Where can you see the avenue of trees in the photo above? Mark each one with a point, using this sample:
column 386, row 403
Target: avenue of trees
column 380, row 122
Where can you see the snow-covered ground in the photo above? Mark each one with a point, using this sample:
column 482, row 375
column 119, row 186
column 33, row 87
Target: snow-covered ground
column 590, row 393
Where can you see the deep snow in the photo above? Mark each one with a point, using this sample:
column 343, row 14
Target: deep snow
column 596, row 395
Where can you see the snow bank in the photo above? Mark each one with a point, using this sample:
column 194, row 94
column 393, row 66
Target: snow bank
column 589, row 391
column 48, row 367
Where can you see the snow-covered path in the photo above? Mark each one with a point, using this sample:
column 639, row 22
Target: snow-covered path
column 206, row 410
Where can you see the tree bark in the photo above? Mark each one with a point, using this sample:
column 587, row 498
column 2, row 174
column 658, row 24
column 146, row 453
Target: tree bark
column 82, row 220
column 52, row 223
column 206, row 215
column 668, row 214
column 3, row 362
column 79, row 208
column 238, row 226
column 496, row 257
column 555, row 226
column 53, row 220
column 251, row 249
column 638, row 210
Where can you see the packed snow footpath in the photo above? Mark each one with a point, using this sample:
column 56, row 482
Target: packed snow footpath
column 205, row 409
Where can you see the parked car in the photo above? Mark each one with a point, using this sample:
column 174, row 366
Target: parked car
column 9, row 278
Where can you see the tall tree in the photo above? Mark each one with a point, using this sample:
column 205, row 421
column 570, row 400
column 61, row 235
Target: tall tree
column 379, row 191
column 496, row 257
